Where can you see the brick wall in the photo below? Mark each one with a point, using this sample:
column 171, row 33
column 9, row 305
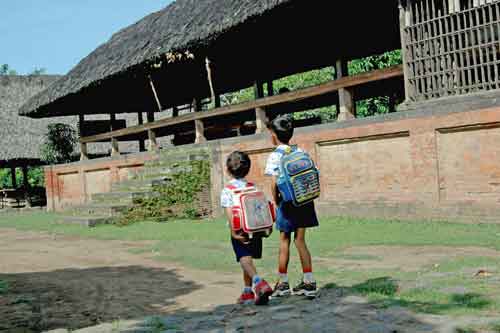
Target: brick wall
column 430, row 163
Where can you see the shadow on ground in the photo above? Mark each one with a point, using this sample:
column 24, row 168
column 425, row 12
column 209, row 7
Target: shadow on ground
column 388, row 289
column 76, row 298
column 337, row 309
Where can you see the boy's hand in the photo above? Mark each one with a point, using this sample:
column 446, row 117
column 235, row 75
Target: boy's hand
column 240, row 238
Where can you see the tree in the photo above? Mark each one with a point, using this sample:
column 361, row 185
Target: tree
column 38, row 71
column 59, row 144
column 6, row 70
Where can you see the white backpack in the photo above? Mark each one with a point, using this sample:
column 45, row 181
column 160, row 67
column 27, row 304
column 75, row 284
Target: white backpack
column 252, row 212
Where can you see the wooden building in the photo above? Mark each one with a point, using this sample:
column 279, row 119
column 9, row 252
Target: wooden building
column 192, row 52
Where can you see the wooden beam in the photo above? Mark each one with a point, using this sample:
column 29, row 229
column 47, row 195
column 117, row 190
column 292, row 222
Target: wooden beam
column 293, row 96
column 346, row 102
column 155, row 94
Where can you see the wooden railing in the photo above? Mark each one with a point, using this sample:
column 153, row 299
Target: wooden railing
column 341, row 84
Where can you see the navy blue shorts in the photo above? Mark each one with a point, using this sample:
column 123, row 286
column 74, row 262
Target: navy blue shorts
column 289, row 218
column 252, row 249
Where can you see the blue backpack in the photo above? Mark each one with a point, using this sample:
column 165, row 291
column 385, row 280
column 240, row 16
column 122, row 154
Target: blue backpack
column 298, row 181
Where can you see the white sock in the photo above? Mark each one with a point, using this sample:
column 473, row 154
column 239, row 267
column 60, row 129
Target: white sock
column 308, row 277
column 283, row 277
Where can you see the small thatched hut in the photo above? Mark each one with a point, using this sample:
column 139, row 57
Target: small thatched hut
column 21, row 137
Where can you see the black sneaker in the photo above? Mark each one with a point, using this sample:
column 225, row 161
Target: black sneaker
column 282, row 289
column 307, row 289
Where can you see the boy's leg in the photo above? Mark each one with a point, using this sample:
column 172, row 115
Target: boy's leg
column 304, row 254
column 249, row 270
column 284, row 255
column 262, row 288
column 282, row 288
column 247, row 280
column 308, row 286
column 247, row 296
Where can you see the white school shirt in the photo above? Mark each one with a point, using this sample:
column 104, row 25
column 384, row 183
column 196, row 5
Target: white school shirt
column 274, row 161
column 226, row 196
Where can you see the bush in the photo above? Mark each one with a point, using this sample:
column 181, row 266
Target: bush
column 178, row 198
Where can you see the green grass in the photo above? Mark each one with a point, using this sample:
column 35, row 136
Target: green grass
column 205, row 245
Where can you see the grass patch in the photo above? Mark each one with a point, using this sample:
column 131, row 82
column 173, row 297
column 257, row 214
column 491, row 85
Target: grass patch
column 206, row 245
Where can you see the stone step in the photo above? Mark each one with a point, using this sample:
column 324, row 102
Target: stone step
column 86, row 221
column 169, row 161
column 159, row 173
column 138, row 184
column 94, row 209
column 122, row 197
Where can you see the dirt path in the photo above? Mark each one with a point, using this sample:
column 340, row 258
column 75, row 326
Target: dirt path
column 56, row 281
column 68, row 282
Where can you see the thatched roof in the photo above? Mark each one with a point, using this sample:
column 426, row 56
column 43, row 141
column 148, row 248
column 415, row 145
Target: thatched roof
column 21, row 137
column 246, row 40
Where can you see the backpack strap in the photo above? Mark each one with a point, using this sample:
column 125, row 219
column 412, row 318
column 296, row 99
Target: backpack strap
column 283, row 151
column 233, row 188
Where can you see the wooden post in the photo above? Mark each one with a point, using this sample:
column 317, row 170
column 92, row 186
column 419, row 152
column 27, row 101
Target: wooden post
column 198, row 125
column 13, row 177
column 152, row 143
column 403, row 15
column 115, row 146
column 175, row 112
column 346, row 102
column 215, row 96
column 150, row 116
column 200, row 131
column 140, row 121
column 260, row 113
column 270, row 88
column 83, row 151
column 83, row 146
column 26, row 184
column 155, row 94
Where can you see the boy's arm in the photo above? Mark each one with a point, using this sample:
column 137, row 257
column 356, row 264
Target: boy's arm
column 229, row 216
column 274, row 191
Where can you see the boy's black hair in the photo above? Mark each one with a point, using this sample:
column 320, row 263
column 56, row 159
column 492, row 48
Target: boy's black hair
column 282, row 126
column 238, row 164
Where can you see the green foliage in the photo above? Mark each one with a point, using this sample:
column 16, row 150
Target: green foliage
column 3, row 287
column 35, row 177
column 6, row 70
column 377, row 105
column 365, row 108
column 177, row 198
column 59, row 144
